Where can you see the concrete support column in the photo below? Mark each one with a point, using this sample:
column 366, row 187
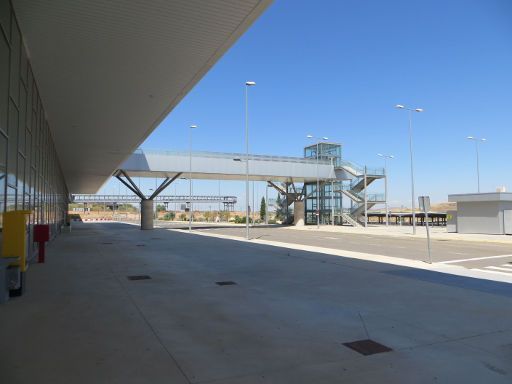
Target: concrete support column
column 298, row 213
column 146, row 214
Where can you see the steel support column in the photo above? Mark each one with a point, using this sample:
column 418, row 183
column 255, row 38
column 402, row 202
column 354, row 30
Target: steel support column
column 146, row 203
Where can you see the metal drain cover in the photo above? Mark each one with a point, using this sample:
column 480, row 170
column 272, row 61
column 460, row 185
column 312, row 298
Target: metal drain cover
column 141, row 245
column 225, row 283
column 367, row 347
column 106, row 243
column 138, row 277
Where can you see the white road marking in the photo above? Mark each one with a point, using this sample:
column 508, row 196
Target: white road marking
column 506, row 266
column 499, row 269
column 487, row 271
column 474, row 259
column 331, row 238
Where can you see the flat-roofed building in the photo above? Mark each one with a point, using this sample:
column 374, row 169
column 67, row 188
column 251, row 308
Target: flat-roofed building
column 489, row 213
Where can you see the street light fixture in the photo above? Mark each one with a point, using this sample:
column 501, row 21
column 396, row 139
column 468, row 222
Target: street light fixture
column 477, row 140
column 413, row 203
column 386, row 157
column 317, row 178
column 247, row 85
column 190, row 212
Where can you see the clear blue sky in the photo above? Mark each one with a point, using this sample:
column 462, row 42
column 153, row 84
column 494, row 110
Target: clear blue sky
column 337, row 68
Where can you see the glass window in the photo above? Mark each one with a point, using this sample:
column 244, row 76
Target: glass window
column 14, row 88
column 4, row 82
column 22, row 119
column 21, row 177
column 11, row 199
column 12, row 155
column 23, row 65
column 3, row 158
column 30, row 85
column 5, row 17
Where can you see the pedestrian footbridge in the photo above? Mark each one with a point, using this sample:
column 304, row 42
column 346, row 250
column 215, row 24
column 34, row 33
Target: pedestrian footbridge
column 225, row 166
column 171, row 165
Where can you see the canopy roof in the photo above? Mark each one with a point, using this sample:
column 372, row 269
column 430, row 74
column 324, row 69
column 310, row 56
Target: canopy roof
column 109, row 71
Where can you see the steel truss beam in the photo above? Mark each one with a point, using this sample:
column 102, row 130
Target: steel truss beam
column 133, row 187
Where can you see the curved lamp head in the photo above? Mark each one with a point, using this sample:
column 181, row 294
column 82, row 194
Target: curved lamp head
column 193, row 126
column 399, row 106
column 418, row 110
column 250, row 83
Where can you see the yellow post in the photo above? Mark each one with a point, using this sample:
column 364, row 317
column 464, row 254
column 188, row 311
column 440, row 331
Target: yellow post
column 14, row 242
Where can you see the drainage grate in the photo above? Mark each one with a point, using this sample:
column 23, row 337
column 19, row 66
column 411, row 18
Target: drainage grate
column 106, row 243
column 141, row 245
column 138, row 277
column 225, row 283
column 367, row 347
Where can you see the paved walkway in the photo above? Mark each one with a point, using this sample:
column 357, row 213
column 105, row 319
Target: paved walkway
column 284, row 321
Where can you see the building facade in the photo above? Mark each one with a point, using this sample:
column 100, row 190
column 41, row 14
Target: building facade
column 30, row 172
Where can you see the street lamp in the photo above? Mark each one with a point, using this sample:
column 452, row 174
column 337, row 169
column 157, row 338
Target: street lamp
column 477, row 140
column 386, row 157
column 413, row 203
column 247, row 85
column 317, row 178
column 192, row 127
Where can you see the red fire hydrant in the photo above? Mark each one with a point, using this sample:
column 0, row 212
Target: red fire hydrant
column 41, row 236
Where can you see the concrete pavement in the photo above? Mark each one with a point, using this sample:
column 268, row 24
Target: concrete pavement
column 284, row 321
column 493, row 258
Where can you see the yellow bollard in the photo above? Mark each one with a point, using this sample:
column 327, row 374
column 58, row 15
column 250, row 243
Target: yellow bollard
column 14, row 242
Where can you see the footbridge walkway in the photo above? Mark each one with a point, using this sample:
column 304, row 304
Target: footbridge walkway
column 171, row 165
column 227, row 201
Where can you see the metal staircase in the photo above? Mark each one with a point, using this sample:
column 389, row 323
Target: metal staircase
column 355, row 190
column 347, row 217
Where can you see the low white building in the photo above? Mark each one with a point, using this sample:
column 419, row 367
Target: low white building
column 489, row 213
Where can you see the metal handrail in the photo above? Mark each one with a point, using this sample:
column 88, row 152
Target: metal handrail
column 162, row 198
column 227, row 155
column 359, row 170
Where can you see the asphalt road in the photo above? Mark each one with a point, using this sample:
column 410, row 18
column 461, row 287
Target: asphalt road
column 487, row 256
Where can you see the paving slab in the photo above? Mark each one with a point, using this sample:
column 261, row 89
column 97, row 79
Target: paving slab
column 284, row 321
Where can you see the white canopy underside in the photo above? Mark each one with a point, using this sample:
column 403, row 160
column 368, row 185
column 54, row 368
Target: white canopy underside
column 109, row 71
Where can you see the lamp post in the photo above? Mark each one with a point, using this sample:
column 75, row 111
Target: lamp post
column 247, row 85
column 190, row 212
column 218, row 212
column 386, row 157
column 317, row 178
column 413, row 203
column 332, row 193
column 477, row 140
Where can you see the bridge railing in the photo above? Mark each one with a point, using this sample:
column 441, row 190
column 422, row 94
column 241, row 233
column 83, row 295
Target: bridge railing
column 227, row 155
column 163, row 198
